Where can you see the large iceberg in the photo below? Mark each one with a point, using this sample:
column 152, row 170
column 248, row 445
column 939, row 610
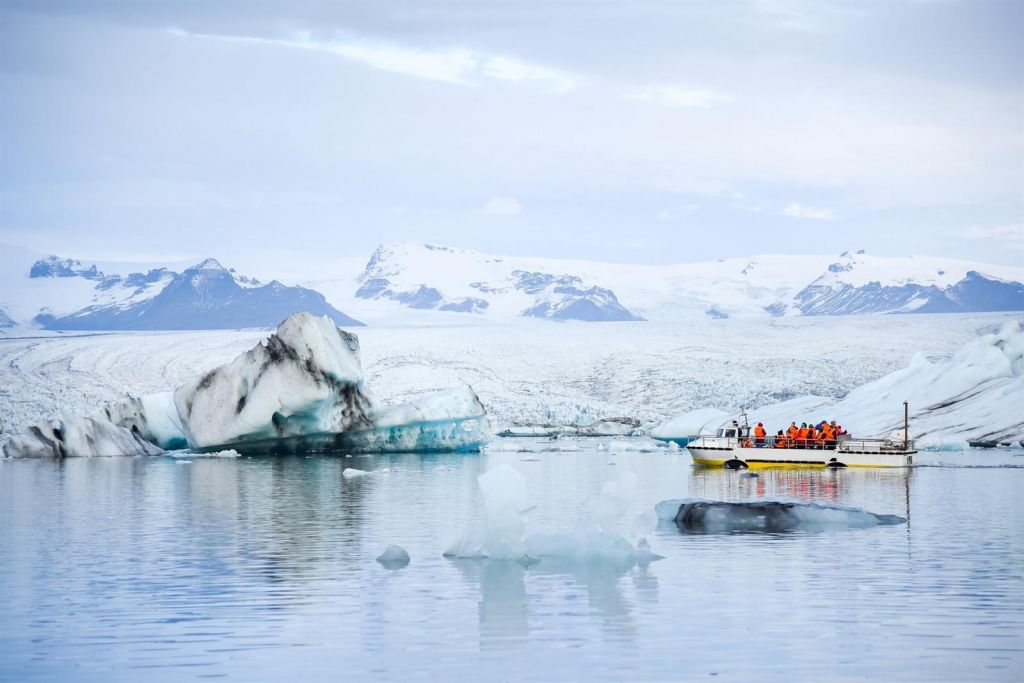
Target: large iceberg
column 976, row 394
column 302, row 389
column 306, row 378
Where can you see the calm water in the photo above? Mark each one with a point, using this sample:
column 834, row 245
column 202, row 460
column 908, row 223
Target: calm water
column 264, row 568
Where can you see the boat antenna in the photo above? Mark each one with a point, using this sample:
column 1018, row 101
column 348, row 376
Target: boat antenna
column 743, row 413
column 906, row 425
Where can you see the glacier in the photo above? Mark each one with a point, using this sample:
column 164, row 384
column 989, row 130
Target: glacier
column 301, row 389
column 976, row 394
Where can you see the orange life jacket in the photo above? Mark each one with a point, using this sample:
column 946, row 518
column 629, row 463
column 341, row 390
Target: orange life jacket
column 780, row 442
column 792, row 431
column 801, row 434
column 759, row 432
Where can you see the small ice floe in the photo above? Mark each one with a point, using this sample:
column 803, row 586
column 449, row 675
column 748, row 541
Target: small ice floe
column 182, row 462
column 637, row 445
column 353, row 473
column 394, row 557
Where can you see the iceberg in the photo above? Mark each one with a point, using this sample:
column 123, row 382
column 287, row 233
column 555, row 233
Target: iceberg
column 763, row 514
column 306, row 378
column 77, row 436
column 501, row 535
column 300, row 390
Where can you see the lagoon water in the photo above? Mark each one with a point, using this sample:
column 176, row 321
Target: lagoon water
column 124, row 569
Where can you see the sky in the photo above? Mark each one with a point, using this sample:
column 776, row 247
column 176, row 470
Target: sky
column 309, row 131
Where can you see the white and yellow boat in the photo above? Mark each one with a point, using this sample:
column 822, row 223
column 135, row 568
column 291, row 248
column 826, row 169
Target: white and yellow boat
column 735, row 447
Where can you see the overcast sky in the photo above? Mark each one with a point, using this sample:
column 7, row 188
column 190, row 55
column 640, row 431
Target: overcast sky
column 622, row 131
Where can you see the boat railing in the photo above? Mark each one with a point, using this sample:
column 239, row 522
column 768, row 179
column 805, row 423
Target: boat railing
column 844, row 443
column 876, row 446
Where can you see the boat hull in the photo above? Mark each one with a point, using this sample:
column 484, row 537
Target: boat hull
column 760, row 458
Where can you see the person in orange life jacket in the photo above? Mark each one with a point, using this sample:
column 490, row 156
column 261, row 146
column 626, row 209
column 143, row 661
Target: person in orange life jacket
column 819, row 434
column 759, row 435
column 791, row 434
column 780, row 439
column 801, row 436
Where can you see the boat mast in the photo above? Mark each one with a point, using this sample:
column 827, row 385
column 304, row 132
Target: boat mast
column 906, row 425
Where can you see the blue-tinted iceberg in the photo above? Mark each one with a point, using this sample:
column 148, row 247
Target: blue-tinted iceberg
column 300, row 390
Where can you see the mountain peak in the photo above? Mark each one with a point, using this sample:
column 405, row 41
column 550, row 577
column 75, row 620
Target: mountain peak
column 208, row 264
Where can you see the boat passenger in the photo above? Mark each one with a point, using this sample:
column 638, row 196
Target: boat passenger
column 780, row 439
column 791, row 434
column 801, row 436
column 759, row 435
column 830, row 434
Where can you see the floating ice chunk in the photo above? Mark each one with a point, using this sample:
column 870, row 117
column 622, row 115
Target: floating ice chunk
column 645, row 523
column 505, row 498
column 764, row 514
column 182, row 462
column 639, row 445
column 589, row 543
column 616, row 494
column 76, row 435
column 353, row 473
column 500, row 535
column 394, row 557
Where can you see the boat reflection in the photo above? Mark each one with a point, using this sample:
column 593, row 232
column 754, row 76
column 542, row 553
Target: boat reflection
column 816, row 485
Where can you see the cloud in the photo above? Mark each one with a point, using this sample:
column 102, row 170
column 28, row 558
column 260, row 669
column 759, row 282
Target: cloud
column 1012, row 234
column 503, row 206
column 797, row 210
column 454, row 65
column 678, row 97
column 513, row 69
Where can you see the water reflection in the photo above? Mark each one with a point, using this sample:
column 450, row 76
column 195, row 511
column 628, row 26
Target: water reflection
column 844, row 486
column 513, row 595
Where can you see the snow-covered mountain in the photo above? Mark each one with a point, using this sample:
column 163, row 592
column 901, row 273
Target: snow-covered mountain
column 65, row 294
column 424, row 276
column 462, row 281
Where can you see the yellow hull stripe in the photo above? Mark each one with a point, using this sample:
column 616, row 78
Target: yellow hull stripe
column 771, row 465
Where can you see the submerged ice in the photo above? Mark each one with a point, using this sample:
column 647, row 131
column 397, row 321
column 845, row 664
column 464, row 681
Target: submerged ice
column 300, row 389
column 763, row 514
